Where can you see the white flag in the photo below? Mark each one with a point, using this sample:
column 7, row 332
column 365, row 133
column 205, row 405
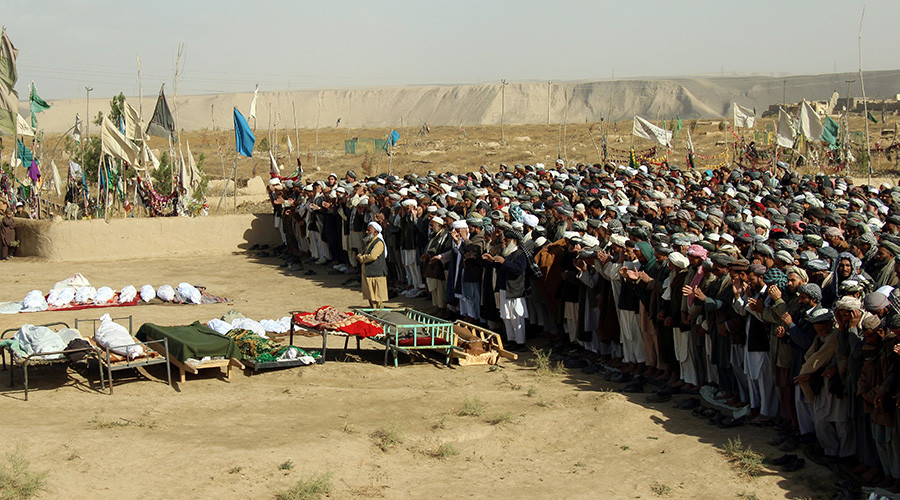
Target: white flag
column 75, row 170
column 150, row 161
column 76, row 131
column 252, row 113
column 193, row 172
column 115, row 144
column 273, row 165
column 785, row 130
column 132, row 123
column 290, row 146
column 744, row 117
column 57, row 184
column 810, row 124
column 646, row 130
column 690, row 142
column 23, row 128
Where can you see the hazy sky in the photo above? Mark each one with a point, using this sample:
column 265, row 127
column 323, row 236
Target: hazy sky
column 230, row 45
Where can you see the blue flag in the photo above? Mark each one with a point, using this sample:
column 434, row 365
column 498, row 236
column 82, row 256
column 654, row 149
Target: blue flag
column 243, row 136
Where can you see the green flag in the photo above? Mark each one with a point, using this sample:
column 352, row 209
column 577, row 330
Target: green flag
column 8, row 54
column 830, row 131
column 24, row 154
column 677, row 127
column 871, row 117
column 37, row 105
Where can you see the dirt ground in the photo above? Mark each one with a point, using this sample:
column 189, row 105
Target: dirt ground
column 538, row 436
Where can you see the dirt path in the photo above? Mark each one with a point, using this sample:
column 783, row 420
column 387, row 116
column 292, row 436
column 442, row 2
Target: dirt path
column 550, row 436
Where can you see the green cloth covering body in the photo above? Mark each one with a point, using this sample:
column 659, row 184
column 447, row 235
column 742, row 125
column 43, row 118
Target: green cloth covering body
column 191, row 341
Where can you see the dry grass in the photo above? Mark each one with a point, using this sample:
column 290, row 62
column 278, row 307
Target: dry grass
column 747, row 462
column 101, row 423
column 308, row 488
column 472, row 408
column 444, row 451
column 542, row 364
column 17, row 480
column 388, row 436
column 501, row 418
column 660, row 489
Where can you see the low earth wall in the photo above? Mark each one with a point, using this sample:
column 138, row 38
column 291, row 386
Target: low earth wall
column 142, row 238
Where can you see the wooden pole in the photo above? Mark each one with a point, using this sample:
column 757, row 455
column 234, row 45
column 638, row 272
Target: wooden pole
column 862, row 85
column 175, row 105
column 212, row 112
column 296, row 130
column 565, row 129
column 318, row 115
column 502, row 106
column 549, row 82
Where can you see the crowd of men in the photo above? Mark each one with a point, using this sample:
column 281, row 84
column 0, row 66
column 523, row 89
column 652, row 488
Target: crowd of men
column 774, row 289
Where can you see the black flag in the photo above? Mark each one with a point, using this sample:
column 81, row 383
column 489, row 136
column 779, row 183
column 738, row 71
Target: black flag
column 162, row 124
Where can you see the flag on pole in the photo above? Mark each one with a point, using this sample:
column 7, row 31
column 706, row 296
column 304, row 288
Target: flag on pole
column 9, row 110
column 132, row 123
column 810, row 124
column 243, row 136
column 76, row 131
column 870, row 117
column 34, row 173
column 150, row 161
column 252, row 114
column 161, row 124
column 690, row 142
column 57, row 183
column 678, row 127
column 646, row 130
column 744, row 117
column 785, row 130
column 290, row 146
column 23, row 153
column 8, row 54
column 113, row 143
column 37, row 104
column 193, row 171
column 830, row 131
column 22, row 127
column 273, row 166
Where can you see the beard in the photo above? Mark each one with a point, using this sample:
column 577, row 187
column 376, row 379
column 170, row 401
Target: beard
column 509, row 249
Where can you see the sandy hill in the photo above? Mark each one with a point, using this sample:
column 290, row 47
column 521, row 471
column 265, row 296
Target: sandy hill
column 574, row 102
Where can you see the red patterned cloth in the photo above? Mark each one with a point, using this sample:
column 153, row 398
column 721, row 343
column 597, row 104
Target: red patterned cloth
column 350, row 324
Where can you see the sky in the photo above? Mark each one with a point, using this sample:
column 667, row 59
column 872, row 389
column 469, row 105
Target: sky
column 231, row 45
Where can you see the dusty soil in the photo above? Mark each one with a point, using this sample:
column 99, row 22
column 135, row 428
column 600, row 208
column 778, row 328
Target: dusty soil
column 551, row 436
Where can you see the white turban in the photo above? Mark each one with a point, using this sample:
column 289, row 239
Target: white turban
column 678, row 260
column 530, row 220
column 438, row 220
column 618, row 240
column 459, row 224
column 409, row 203
column 377, row 227
column 761, row 222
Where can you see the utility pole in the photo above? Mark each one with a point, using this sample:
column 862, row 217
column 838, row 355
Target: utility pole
column 502, row 106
